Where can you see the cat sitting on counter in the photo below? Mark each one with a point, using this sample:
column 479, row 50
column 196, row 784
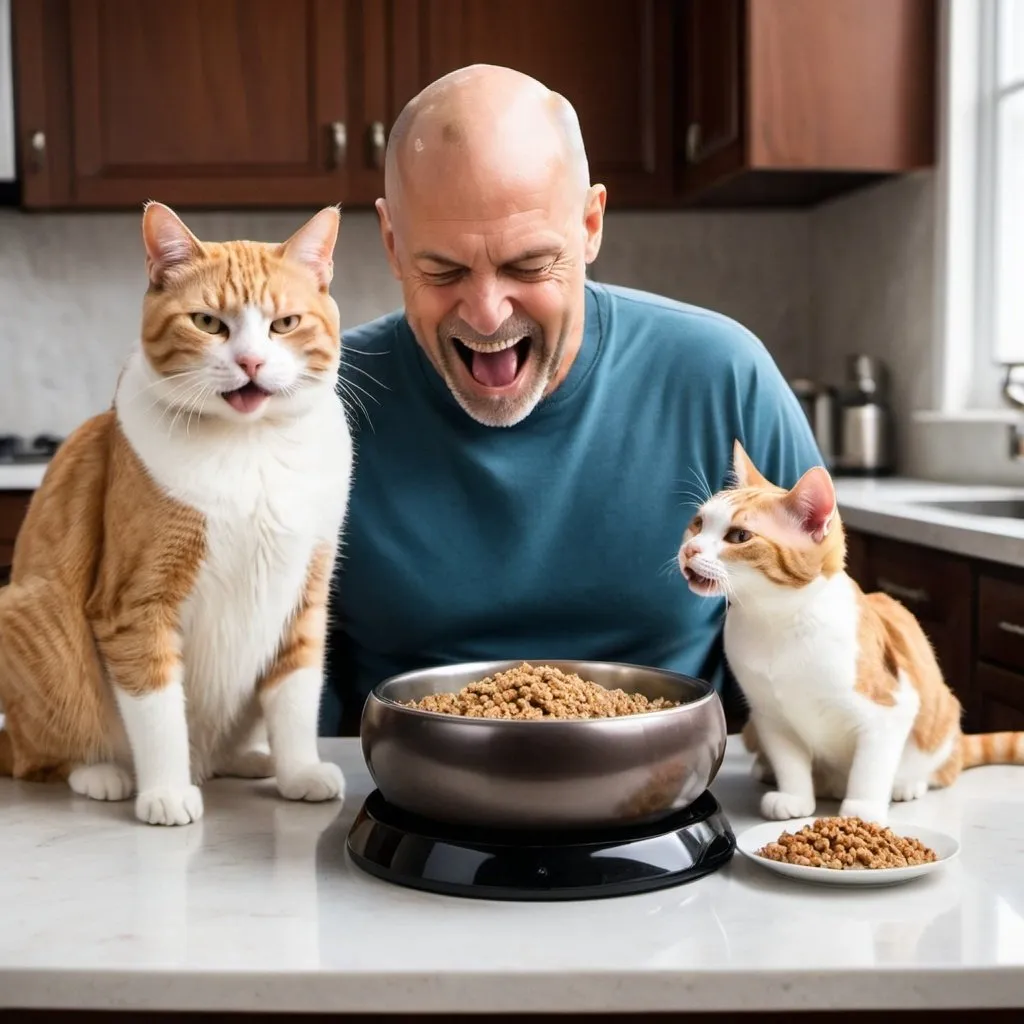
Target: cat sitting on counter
column 166, row 614
column 846, row 698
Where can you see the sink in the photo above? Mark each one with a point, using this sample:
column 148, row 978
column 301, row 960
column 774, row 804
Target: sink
column 1002, row 508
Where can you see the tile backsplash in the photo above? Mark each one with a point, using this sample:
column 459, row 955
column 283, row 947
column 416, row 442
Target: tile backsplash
column 853, row 275
column 71, row 289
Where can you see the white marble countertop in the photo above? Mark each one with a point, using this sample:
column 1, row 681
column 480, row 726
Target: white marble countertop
column 258, row 908
column 893, row 508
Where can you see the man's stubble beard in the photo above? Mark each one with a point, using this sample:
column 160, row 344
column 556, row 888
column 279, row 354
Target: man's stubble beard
column 502, row 411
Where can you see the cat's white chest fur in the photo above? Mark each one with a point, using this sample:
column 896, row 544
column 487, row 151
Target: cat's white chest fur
column 270, row 494
column 795, row 654
column 795, row 657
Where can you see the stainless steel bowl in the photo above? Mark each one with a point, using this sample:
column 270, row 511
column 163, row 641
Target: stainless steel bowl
column 543, row 773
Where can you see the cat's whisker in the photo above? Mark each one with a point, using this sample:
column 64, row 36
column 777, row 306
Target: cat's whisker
column 670, row 567
column 702, row 482
column 183, row 405
column 347, row 394
column 366, row 373
column 353, row 384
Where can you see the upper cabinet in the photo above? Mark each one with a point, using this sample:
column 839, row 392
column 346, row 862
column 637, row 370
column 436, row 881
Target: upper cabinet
column 197, row 102
column 222, row 103
column 792, row 101
column 611, row 59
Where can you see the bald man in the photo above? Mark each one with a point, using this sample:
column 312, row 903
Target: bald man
column 525, row 469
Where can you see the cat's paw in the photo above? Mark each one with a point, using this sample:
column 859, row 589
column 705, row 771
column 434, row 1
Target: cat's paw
column 248, row 764
column 166, row 805
column 321, row 781
column 784, row 806
column 867, row 810
column 909, row 790
column 101, row 781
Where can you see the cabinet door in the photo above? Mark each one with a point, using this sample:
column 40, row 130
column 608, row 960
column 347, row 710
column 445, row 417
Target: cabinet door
column 610, row 58
column 709, row 114
column 1000, row 699
column 196, row 103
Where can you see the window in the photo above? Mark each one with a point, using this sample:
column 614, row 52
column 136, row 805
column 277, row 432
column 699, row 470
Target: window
column 1003, row 101
column 980, row 284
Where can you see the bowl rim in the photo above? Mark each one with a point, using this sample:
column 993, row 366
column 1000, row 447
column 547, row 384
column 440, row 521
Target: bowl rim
column 709, row 694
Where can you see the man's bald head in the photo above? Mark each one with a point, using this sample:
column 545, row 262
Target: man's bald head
column 484, row 120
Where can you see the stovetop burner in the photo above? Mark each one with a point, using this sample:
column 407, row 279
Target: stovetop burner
column 511, row 865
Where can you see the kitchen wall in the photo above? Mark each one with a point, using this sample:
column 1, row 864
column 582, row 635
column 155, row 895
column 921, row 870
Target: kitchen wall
column 872, row 290
column 71, row 287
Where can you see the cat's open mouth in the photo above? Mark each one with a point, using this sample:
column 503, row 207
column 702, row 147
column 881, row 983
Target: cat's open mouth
column 248, row 398
column 495, row 367
column 705, row 586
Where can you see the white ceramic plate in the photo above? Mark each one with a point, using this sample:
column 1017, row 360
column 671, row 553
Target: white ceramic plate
column 753, row 839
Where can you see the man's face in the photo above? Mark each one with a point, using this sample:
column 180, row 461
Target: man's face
column 492, row 276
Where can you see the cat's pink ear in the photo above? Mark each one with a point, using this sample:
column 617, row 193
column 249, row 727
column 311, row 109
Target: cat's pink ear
column 313, row 244
column 744, row 470
column 813, row 501
column 169, row 243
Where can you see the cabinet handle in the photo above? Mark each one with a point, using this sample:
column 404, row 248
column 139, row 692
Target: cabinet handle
column 378, row 144
column 692, row 142
column 901, row 593
column 1011, row 627
column 38, row 146
column 339, row 141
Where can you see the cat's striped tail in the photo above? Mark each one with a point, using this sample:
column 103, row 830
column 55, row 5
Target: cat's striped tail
column 982, row 748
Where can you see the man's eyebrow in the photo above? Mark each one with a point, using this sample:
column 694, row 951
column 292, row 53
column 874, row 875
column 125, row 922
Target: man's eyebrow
column 435, row 257
column 540, row 252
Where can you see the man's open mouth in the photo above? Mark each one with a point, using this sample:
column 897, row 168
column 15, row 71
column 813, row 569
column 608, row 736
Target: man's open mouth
column 248, row 398
column 495, row 367
column 705, row 586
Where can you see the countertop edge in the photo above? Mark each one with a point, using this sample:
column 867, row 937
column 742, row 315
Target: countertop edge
column 866, row 988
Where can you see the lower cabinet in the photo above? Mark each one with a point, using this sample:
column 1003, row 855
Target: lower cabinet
column 971, row 611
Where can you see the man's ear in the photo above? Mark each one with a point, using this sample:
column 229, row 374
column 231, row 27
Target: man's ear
column 387, row 236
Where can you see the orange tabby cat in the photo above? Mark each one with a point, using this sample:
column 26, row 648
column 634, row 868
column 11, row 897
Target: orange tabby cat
column 167, row 605
column 846, row 697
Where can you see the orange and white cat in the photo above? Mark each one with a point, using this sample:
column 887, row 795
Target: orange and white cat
column 846, row 697
column 166, row 616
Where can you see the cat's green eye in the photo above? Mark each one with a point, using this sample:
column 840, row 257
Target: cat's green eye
column 737, row 536
column 284, row 324
column 208, row 324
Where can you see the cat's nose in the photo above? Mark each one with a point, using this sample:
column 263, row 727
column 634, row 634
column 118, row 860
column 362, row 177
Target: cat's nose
column 692, row 549
column 251, row 364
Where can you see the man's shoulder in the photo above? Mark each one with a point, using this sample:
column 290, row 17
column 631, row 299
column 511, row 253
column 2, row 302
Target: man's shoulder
column 680, row 329
column 375, row 335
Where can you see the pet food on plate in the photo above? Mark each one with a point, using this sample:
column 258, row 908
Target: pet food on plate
column 844, row 844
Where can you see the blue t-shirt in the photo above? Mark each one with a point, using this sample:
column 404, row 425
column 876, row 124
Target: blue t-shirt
column 555, row 538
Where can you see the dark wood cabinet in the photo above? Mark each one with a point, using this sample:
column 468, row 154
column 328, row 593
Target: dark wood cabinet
column 936, row 587
column 783, row 102
column 13, row 506
column 612, row 59
column 971, row 611
column 275, row 103
column 199, row 102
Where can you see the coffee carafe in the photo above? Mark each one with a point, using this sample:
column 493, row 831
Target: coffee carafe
column 865, row 420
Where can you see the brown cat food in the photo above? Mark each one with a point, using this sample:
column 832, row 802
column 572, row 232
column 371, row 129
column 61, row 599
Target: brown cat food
column 539, row 691
column 845, row 844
